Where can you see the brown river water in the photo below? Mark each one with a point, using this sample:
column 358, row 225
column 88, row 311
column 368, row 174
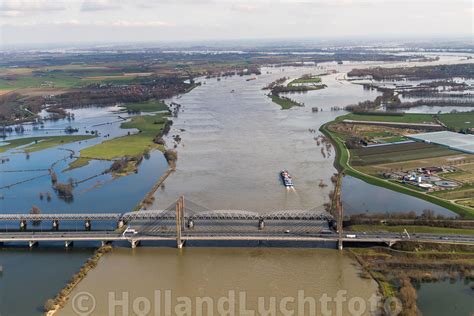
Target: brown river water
column 217, row 273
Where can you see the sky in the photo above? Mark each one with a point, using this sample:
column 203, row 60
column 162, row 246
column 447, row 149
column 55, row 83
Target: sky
column 113, row 21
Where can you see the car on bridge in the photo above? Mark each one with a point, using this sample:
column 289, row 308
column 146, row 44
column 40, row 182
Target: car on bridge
column 128, row 232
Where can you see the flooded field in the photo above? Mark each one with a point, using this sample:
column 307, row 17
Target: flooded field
column 30, row 277
column 446, row 298
column 23, row 177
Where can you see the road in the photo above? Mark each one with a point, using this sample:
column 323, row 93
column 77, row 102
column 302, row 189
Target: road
column 110, row 236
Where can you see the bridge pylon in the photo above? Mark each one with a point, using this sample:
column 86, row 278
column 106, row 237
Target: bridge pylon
column 179, row 221
column 339, row 211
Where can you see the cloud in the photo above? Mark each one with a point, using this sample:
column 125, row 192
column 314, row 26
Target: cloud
column 100, row 5
column 75, row 22
column 247, row 8
column 15, row 8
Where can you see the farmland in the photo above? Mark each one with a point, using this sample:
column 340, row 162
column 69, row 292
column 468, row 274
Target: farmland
column 405, row 118
column 457, row 121
column 381, row 165
column 398, row 153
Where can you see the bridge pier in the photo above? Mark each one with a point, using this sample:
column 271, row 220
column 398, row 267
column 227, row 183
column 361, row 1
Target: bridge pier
column 23, row 225
column 32, row 243
column 104, row 242
column 339, row 244
column 181, row 244
column 261, row 224
column 391, row 243
column 68, row 243
column 55, row 224
column 87, row 224
column 134, row 243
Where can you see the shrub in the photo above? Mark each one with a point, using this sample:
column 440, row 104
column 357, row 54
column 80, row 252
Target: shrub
column 64, row 191
column 49, row 305
column 171, row 156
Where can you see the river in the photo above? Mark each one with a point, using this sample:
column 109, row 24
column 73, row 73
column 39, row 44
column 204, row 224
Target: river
column 213, row 272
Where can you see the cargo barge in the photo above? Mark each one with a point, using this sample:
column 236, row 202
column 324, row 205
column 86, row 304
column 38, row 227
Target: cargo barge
column 286, row 179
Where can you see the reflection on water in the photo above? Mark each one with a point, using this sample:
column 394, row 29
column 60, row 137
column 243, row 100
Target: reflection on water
column 213, row 272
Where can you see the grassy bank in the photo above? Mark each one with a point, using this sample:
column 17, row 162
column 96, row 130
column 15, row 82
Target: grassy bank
column 33, row 144
column 284, row 102
column 342, row 163
column 305, row 80
column 132, row 145
column 410, row 229
column 148, row 106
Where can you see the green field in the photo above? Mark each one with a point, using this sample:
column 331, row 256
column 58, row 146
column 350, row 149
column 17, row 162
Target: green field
column 406, row 118
column 410, row 229
column 305, row 80
column 33, row 144
column 130, row 145
column 47, row 81
column 458, row 120
column 283, row 102
column 454, row 121
column 62, row 78
column 148, row 106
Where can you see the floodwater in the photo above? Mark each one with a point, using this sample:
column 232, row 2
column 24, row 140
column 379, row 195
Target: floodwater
column 355, row 200
column 96, row 192
column 446, row 298
column 213, row 272
column 30, row 277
